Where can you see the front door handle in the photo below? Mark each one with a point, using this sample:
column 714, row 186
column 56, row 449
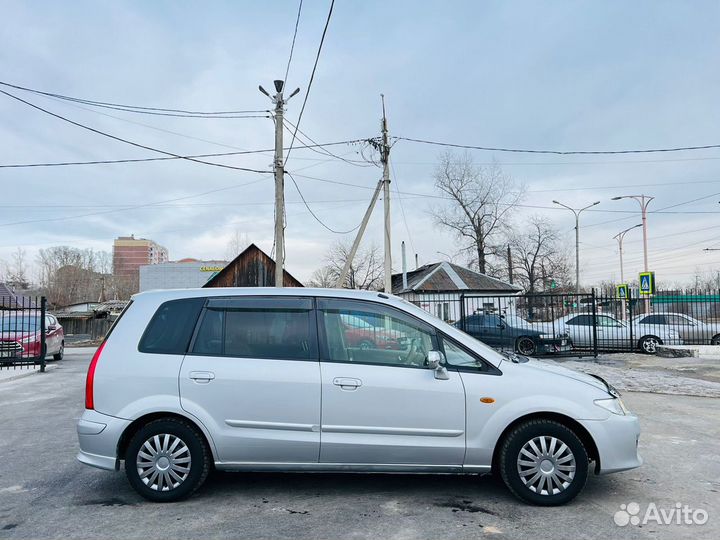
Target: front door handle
column 347, row 383
column 202, row 376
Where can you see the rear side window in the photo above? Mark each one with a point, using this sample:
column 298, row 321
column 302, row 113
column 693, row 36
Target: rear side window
column 171, row 328
column 268, row 328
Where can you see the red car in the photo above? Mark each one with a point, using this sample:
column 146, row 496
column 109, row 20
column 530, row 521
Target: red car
column 20, row 336
column 360, row 333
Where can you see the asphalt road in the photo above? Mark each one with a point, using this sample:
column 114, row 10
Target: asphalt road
column 45, row 493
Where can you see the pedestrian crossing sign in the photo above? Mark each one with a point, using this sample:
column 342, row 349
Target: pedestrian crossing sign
column 647, row 283
column 622, row 291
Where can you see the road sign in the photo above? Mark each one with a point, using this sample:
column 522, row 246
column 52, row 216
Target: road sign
column 622, row 291
column 647, row 283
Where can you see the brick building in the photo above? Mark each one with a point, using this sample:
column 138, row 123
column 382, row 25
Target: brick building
column 129, row 254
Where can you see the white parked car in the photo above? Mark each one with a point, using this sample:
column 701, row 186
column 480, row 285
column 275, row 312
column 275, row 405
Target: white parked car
column 614, row 334
column 690, row 329
column 263, row 379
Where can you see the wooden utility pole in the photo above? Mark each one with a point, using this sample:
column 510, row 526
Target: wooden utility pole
column 385, row 157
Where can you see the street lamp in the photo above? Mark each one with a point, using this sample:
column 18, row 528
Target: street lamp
column 619, row 237
column 644, row 201
column 577, row 213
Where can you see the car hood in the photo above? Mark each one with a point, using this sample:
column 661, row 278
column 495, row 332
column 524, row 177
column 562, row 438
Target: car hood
column 564, row 372
column 14, row 336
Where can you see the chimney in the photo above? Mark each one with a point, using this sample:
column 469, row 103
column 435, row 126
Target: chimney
column 404, row 267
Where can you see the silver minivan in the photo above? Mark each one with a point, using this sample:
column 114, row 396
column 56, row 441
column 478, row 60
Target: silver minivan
column 277, row 380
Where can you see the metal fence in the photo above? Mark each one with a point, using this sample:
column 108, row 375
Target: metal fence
column 581, row 324
column 23, row 331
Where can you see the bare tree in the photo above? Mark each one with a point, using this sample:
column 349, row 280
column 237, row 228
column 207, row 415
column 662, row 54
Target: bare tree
column 69, row 275
column 538, row 258
column 238, row 242
column 366, row 270
column 481, row 198
column 323, row 278
column 16, row 270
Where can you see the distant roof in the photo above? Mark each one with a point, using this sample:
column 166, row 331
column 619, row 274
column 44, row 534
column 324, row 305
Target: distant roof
column 447, row 277
column 9, row 299
column 251, row 268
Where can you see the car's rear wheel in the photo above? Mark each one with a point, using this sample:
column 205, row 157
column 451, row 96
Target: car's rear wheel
column 715, row 340
column 366, row 345
column 61, row 353
column 167, row 460
column 526, row 346
column 648, row 344
column 544, row 462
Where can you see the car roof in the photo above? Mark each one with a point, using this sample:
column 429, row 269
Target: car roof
column 170, row 294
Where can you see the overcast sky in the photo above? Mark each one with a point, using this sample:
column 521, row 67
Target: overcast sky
column 542, row 75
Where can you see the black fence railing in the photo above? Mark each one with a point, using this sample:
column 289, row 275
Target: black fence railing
column 23, row 331
column 580, row 324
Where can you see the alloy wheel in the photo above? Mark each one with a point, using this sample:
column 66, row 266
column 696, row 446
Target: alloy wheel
column 546, row 465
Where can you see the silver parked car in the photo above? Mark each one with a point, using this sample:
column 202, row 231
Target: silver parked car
column 613, row 334
column 266, row 379
column 691, row 330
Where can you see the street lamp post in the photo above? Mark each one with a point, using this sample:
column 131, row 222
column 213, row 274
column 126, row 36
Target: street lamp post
column 644, row 201
column 577, row 213
column 619, row 237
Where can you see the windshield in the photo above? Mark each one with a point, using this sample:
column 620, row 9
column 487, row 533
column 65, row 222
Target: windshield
column 20, row 324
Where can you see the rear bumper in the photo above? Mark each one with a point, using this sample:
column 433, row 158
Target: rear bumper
column 617, row 442
column 98, row 435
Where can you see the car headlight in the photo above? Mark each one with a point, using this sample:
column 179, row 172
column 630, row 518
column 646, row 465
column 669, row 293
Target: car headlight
column 614, row 405
column 29, row 339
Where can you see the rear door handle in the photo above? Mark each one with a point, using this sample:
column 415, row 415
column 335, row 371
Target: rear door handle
column 202, row 376
column 347, row 383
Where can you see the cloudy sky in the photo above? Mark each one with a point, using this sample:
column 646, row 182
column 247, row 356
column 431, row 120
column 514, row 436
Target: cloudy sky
column 540, row 75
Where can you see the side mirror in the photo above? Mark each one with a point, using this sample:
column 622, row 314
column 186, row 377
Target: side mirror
column 50, row 328
column 436, row 361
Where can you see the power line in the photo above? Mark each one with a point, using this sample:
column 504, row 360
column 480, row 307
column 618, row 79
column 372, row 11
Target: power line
column 292, row 47
column 136, row 108
column 559, row 152
column 402, row 207
column 312, row 77
column 325, row 151
column 126, row 141
column 313, row 213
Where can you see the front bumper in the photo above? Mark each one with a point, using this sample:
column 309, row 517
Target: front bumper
column 617, row 440
column 554, row 346
column 98, row 435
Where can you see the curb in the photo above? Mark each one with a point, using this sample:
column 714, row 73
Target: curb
column 24, row 373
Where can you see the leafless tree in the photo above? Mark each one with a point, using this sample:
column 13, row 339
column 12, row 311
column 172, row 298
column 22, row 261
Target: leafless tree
column 323, row 278
column 480, row 201
column 237, row 243
column 366, row 270
column 16, row 273
column 538, row 257
column 69, row 275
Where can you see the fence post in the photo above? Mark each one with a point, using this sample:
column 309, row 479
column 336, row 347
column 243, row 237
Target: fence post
column 43, row 332
column 462, row 311
column 594, row 325
column 630, row 319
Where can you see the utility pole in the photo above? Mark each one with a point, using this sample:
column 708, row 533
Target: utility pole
column 510, row 265
column 279, row 170
column 353, row 250
column 577, row 213
column 385, row 157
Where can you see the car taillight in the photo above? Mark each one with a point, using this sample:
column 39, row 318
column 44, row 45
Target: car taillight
column 89, row 382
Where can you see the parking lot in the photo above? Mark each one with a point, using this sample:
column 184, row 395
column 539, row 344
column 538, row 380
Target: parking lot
column 46, row 493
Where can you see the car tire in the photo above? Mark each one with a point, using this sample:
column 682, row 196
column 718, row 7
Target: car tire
column 61, row 353
column 526, row 346
column 167, row 460
column 366, row 345
column 715, row 340
column 648, row 343
column 539, row 448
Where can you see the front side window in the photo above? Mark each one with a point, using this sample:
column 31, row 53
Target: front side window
column 391, row 337
column 580, row 320
column 456, row 356
column 271, row 328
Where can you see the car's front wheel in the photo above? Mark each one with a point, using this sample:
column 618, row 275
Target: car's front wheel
column 167, row 460
column 525, row 346
column 649, row 344
column 544, row 462
column 61, row 353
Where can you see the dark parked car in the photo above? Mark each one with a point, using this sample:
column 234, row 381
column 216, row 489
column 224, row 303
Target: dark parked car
column 513, row 333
